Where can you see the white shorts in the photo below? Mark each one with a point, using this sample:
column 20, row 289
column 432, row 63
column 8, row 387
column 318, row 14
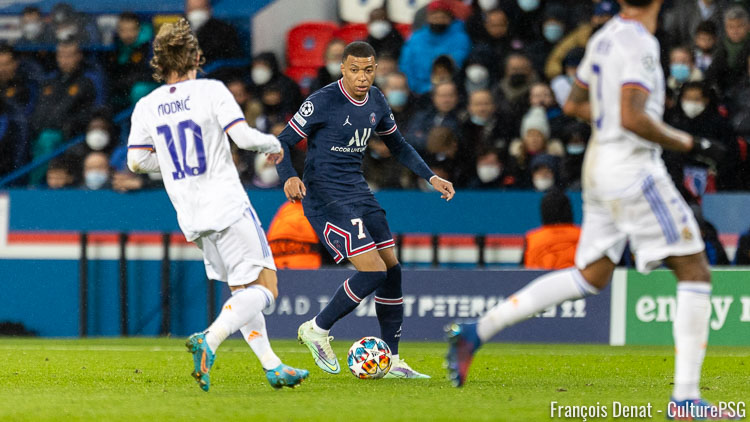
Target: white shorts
column 654, row 218
column 237, row 254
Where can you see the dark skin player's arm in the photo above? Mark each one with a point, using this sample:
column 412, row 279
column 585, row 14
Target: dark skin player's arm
column 577, row 104
column 635, row 119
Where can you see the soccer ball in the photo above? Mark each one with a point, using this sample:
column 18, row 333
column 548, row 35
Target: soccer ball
column 369, row 358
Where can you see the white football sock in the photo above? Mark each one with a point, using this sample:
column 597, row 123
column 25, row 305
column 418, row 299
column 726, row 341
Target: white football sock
column 255, row 334
column 545, row 291
column 690, row 331
column 237, row 311
column 319, row 330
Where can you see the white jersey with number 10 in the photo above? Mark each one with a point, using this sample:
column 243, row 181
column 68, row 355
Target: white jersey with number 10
column 622, row 54
column 185, row 124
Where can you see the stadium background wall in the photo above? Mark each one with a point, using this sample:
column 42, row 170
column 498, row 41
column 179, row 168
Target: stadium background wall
column 40, row 254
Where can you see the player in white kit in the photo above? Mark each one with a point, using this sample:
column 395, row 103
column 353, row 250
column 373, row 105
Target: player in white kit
column 181, row 130
column 628, row 196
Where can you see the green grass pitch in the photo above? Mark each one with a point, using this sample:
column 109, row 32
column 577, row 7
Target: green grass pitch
column 148, row 379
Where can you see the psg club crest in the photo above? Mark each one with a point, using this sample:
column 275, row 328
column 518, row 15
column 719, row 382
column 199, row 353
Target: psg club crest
column 372, row 119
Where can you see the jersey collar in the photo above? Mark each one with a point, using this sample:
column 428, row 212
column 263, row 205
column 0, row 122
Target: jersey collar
column 350, row 98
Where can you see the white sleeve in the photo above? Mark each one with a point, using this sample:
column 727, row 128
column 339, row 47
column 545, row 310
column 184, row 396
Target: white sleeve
column 640, row 66
column 252, row 139
column 141, row 152
column 142, row 161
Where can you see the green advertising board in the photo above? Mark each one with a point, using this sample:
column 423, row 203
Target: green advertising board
column 645, row 307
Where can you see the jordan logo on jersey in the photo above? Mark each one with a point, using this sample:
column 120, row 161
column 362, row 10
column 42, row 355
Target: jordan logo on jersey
column 347, row 121
column 360, row 142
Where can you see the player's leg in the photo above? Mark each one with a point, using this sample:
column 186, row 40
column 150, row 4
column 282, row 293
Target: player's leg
column 356, row 245
column 690, row 326
column 600, row 245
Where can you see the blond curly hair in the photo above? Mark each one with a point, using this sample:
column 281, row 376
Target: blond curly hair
column 175, row 50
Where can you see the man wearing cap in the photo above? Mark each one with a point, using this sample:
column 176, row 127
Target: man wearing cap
column 603, row 11
column 443, row 35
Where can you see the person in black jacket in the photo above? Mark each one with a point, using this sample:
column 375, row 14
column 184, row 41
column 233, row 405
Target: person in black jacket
column 382, row 35
column 218, row 39
column 697, row 113
column 734, row 46
column 331, row 70
column 128, row 64
column 265, row 72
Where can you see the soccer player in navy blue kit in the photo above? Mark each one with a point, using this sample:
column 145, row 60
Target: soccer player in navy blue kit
column 337, row 121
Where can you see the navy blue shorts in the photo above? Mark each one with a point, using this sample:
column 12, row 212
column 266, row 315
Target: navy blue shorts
column 352, row 229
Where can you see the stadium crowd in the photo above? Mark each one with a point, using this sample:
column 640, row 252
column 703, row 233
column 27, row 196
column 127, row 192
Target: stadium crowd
column 476, row 87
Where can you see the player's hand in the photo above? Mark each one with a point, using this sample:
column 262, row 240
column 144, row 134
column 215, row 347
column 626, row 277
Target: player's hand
column 276, row 157
column 294, row 189
column 708, row 151
column 443, row 186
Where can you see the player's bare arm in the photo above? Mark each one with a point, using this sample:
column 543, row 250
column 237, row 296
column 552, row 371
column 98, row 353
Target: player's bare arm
column 443, row 186
column 635, row 119
column 294, row 189
column 275, row 158
column 577, row 104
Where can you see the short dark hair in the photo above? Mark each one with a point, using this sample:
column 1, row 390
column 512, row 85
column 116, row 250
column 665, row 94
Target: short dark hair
column 705, row 91
column 129, row 16
column 707, row 27
column 8, row 49
column 556, row 208
column 358, row 49
column 638, row 3
column 31, row 9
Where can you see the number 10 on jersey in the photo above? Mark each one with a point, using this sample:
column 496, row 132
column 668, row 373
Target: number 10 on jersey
column 179, row 158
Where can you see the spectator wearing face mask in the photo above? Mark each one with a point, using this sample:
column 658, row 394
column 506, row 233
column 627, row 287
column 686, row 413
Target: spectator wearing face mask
column 265, row 72
column 442, row 151
column 553, row 245
column 552, row 30
column 69, row 25
column 513, row 89
column 482, row 127
column 576, row 137
column 545, row 172
column 443, row 36
column 96, row 171
column 682, row 68
column 535, row 140
column 577, row 38
column 34, row 31
column 698, row 113
column 382, row 35
column 217, row 39
column 492, row 170
column 704, row 45
column 331, row 70
column 399, row 97
column 476, row 74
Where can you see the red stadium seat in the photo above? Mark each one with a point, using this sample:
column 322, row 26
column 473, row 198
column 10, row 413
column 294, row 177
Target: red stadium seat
column 306, row 43
column 404, row 29
column 358, row 11
column 351, row 32
column 303, row 76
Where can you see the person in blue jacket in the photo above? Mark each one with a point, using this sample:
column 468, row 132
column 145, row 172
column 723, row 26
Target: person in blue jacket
column 443, row 35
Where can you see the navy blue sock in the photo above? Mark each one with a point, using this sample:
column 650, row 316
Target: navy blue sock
column 348, row 296
column 389, row 306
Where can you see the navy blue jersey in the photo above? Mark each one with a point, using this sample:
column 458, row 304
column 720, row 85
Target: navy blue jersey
column 337, row 128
